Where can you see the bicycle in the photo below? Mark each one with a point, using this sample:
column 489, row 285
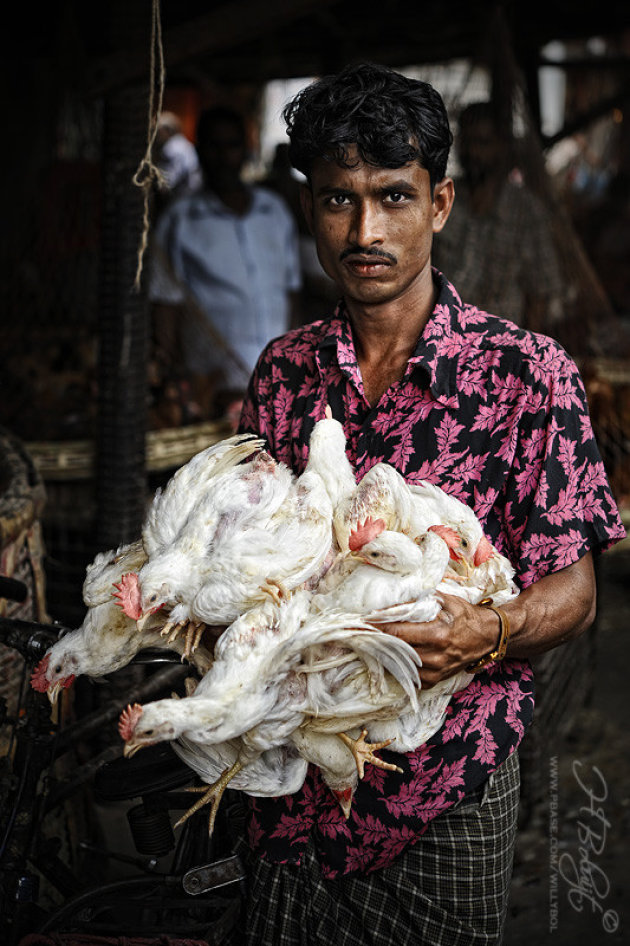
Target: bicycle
column 180, row 897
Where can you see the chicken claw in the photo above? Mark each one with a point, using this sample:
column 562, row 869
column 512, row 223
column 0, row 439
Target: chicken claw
column 275, row 589
column 194, row 633
column 364, row 752
column 170, row 631
column 212, row 794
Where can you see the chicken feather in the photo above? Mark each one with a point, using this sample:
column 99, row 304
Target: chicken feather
column 173, row 505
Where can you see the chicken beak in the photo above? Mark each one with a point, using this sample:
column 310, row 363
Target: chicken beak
column 346, row 807
column 142, row 620
column 131, row 748
column 344, row 797
column 466, row 567
column 457, row 569
column 53, row 693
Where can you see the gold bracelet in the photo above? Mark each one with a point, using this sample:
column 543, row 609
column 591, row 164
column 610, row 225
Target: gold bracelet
column 504, row 634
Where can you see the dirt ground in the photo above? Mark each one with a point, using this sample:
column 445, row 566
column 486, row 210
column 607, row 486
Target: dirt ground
column 571, row 878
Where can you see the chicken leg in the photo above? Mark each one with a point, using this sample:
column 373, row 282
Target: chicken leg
column 194, row 632
column 213, row 795
column 364, row 752
column 275, row 589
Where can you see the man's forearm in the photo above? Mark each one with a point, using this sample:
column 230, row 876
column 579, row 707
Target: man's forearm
column 552, row 611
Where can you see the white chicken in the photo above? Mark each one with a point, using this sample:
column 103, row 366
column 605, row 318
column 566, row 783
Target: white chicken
column 270, row 673
column 106, row 641
column 383, row 502
column 277, row 557
column 107, row 638
column 340, row 757
column 301, row 674
column 172, row 506
column 382, row 493
column 254, row 531
column 327, row 457
column 239, row 692
column 413, row 509
column 280, row 770
column 277, row 771
column 385, row 575
column 107, row 569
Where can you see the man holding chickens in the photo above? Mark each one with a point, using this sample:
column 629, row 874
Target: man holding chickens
column 493, row 414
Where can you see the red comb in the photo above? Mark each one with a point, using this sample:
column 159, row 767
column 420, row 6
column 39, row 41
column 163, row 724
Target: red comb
column 365, row 533
column 39, row 678
column 129, row 596
column 483, row 552
column 128, row 720
column 450, row 536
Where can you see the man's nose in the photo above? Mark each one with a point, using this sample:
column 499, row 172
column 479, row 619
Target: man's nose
column 367, row 225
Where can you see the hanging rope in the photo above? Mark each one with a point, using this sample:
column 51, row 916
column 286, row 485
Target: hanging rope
column 148, row 174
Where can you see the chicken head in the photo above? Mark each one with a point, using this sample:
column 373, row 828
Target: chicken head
column 53, row 676
column 138, row 733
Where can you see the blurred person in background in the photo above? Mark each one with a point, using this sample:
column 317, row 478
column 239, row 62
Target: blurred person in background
column 498, row 247
column 226, row 274
column 177, row 159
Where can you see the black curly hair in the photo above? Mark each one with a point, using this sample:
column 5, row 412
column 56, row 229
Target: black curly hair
column 391, row 119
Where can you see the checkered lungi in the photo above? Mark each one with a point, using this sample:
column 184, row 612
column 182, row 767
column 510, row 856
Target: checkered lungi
column 449, row 889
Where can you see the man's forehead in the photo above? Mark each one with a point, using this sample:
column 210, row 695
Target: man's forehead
column 329, row 171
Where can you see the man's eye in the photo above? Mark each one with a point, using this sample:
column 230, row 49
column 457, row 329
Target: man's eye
column 396, row 197
column 338, row 200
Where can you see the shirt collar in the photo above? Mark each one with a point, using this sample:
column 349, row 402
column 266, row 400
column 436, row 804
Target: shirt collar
column 261, row 202
column 436, row 354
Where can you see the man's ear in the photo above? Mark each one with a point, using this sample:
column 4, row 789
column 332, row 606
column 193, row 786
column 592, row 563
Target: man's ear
column 443, row 197
column 306, row 200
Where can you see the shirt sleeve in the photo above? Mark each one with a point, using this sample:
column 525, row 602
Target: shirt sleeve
column 162, row 286
column 291, row 248
column 256, row 418
column 558, row 501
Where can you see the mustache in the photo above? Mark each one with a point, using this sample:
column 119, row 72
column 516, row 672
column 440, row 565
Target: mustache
column 367, row 251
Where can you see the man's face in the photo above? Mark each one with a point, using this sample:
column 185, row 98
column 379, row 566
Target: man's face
column 481, row 151
column 374, row 226
column 222, row 153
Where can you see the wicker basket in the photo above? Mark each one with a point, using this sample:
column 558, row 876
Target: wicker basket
column 22, row 499
column 70, row 518
column 165, row 449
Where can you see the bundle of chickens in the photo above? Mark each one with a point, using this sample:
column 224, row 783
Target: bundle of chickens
column 275, row 588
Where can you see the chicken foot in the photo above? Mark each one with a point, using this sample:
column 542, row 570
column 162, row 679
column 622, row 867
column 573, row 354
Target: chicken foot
column 275, row 589
column 194, row 632
column 363, row 752
column 212, row 795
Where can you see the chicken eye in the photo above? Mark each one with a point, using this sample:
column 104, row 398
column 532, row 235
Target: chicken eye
column 58, row 668
column 148, row 732
column 464, row 543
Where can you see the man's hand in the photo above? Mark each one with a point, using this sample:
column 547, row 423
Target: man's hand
column 550, row 612
column 460, row 634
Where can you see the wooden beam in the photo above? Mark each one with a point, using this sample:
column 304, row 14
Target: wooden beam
column 223, row 28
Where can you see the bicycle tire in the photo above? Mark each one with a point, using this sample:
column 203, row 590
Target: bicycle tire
column 146, row 906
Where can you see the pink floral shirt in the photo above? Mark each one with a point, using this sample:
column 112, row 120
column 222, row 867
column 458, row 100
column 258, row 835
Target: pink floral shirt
column 496, row 416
